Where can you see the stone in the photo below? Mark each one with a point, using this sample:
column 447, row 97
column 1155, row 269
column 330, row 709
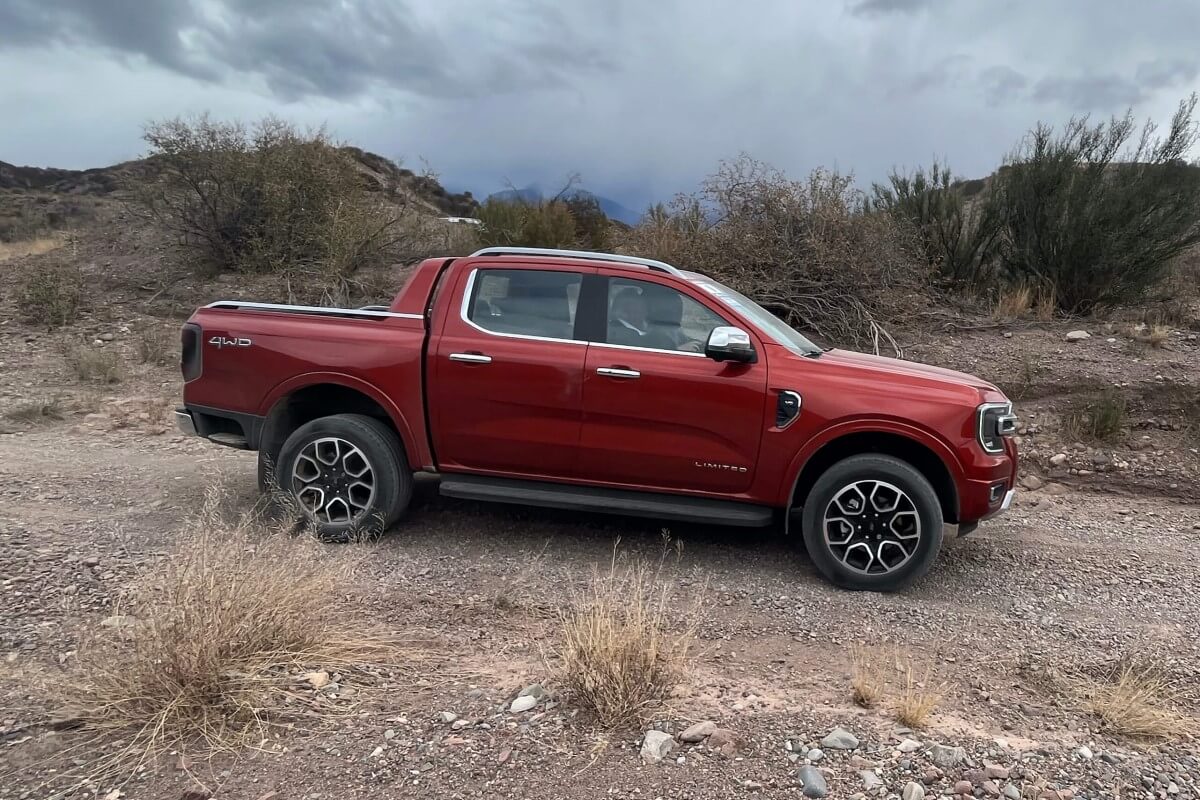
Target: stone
column 91, row 561
column 1012, row 792
column 447, row 717
column 840, row 739
column 990, row 788
column 1078, row 336
column 870, row 779
column 752, row 786
column 1032, row 482
column 523, row 704
column 656, row 746
column 533, row 690
column 117, row 621
column 1058, row 459
column 812, row 782
column 816, row 754
column 964, row 787
column 946, row 756
column 106, row 337
column 317, row 680
column 1084, row 752
column 459, row 724
column 913, row 791
column 996, row 772
column 909, row 746
column 698, row 732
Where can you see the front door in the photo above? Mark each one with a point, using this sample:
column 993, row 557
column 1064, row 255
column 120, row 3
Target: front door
column 658, row 414
column 506, row 374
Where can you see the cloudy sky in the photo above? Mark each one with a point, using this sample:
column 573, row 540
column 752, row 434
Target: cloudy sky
column 642, row 97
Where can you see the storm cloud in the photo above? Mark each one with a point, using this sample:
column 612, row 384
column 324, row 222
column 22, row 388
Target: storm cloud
column 642, row 98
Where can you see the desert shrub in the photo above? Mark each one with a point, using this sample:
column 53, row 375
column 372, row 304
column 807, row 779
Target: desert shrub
column 520, row 223
column 1098, row 418
column 1096, row 218
column 592, row 226
column 45, row 409
column 1137, row 700
column 957, row 236
column 220, row 642
column 268, row 198
column 623, row 646
column 917, row 698
column 159, row 347
column 95, row 364
column 806, row 250
column 866, row 677
column 51, row 294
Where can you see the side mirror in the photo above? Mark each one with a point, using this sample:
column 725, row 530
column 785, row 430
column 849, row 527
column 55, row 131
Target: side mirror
column 730, row 344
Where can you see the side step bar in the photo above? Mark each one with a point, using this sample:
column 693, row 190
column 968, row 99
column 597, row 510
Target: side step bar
column 607, row 501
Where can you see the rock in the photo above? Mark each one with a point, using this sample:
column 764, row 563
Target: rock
column 523, row 704
column 447, row 717
column 1084, row 752
column 752, row 786
column 91, row 561
column 870, row 779
column 106, row 337
column 1012, row 792
column 117, row 621
column 533, row 690
column 815, row 755
column 964, row 787
column 858, row 762
column 698, row 732
column 996, row 772
column 459, row 724
column 724, row 741
column 913, row 791
column 317, row 680
column 813, row 782
column 990, row 788
column 656, row 746
column 1032, row 482
column 1078, row 336
column 909, row 746
column 1058, row 459
column 840, row 739
column 931, row 776
column 946, row 756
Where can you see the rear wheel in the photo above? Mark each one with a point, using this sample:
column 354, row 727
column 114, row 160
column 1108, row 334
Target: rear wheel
column 347, row 474
column 873, row 522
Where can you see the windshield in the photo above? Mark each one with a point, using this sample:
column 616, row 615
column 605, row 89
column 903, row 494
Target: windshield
column 764, row 320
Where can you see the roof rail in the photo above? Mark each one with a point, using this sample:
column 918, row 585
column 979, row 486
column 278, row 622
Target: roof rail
column 658, row 266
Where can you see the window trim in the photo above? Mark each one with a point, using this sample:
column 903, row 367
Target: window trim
column 469, row 291
column 609, row 278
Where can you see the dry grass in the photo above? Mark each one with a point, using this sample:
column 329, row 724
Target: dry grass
column 1013, row 303
column 215, row 644
column 1158, row 335
column 623, row 645
column 95, row 364
column 1137, row 701
column 159, row 347
column 51, row 294
column 866, row 677
column 29, row 247
column 46, row 409
column 918, row 698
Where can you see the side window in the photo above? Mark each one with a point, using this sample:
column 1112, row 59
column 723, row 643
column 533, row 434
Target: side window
column 644, row 314
column 525, row 302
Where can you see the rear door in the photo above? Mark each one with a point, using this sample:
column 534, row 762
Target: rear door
column 506, row 372
column 658, row 414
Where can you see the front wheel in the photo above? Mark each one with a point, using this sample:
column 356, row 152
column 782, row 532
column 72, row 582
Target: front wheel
column 872, row 522
column 348, row 475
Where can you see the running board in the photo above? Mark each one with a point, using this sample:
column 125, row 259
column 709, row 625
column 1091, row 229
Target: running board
column 607, row 501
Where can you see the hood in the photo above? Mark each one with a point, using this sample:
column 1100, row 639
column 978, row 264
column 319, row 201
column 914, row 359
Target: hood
column 896, row 366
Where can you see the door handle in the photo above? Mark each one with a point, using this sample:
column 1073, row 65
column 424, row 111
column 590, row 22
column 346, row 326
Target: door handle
column 617, row 372
column 471, row 358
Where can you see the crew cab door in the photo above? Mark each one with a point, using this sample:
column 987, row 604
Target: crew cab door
column 505, row 389
column 658, row 414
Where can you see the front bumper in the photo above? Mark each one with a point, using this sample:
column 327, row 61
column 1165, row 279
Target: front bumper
column 184, row 421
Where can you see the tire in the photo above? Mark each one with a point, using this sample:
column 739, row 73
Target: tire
column 347, row 473
column 872, row 522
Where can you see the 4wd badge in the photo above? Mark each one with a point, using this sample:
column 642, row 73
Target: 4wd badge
column 221, row 341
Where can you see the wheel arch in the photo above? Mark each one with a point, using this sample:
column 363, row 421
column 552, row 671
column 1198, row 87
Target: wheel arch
column 927, row 454
column 308, row 397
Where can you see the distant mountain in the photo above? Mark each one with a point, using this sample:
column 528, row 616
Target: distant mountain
column 533, row 194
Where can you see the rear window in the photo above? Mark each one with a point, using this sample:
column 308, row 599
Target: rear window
column 525, row 302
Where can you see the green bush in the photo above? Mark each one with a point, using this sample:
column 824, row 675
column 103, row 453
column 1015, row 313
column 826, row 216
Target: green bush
column 1096, row 219
column 519, row 223
column 267, row 198
column 51, row 294
column 1098, row 418
column 958, row 237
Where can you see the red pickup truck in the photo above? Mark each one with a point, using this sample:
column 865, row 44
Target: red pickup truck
column 606, row 383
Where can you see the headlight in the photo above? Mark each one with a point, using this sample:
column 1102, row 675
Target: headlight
column 995, row 421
